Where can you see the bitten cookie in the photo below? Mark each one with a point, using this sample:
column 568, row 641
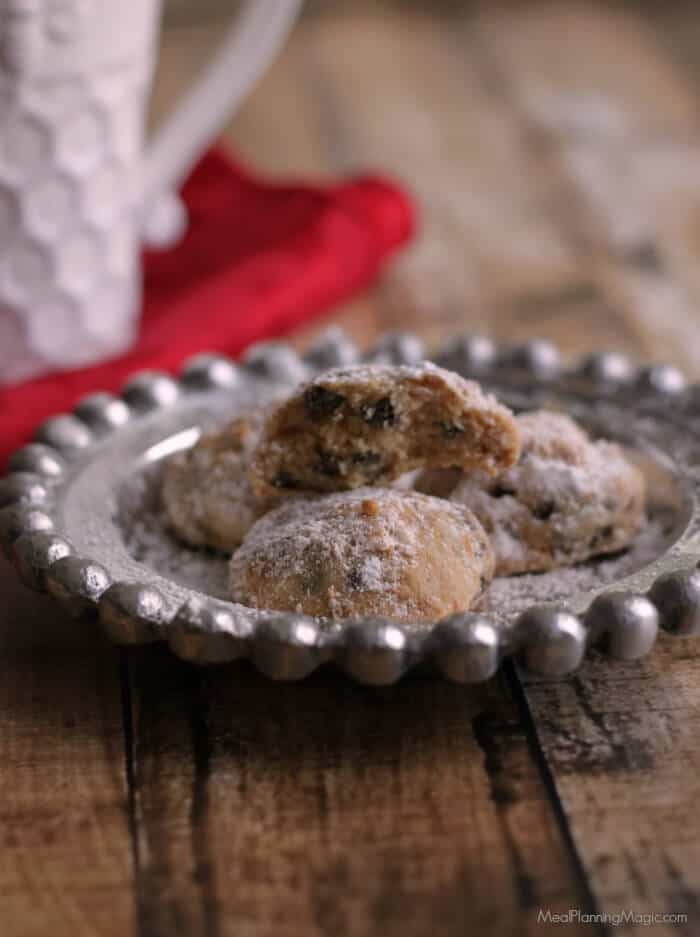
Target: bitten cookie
column 401, row 555
column 206, row 493
column 369, row 424
column 567, row 499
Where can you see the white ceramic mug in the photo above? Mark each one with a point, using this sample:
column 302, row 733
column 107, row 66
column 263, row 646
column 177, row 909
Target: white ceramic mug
column 79, row 187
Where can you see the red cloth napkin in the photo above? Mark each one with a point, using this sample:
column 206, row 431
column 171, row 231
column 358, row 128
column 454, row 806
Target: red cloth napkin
column 258, row 259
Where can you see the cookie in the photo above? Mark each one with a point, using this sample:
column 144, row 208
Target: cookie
column 369, row 552
column 206, row 493
column 369, row 424
column 567, row 499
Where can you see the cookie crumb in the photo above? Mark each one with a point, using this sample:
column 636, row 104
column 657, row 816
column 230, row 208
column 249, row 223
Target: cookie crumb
column 370, row 508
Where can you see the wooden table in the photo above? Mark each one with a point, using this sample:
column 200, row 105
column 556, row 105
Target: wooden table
column 555, row 152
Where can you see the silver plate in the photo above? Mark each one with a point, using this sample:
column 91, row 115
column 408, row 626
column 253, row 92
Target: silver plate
column 69, row 498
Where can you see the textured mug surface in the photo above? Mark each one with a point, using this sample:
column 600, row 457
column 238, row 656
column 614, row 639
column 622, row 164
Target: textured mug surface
column 77, row 188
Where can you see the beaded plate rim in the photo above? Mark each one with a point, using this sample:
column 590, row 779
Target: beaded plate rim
column 550, row 640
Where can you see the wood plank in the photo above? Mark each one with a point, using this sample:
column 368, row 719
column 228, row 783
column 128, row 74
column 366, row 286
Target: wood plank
column 587, row 70
column 65, row 861
column 274, row 130
column 324, row 807
column 341, row 785
column 167, row 773
column 618, row 119
column 493, row 255
column 620, row 738
column 622, row 743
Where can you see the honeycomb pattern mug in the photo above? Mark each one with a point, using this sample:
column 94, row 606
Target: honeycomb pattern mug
column 80, row 188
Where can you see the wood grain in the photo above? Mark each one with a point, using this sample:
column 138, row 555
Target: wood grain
column 167, row 760
column 65, row 855
column 621, row 741
column 617, row 118
column 498, row 251
column 618, row 737
column 326, row 808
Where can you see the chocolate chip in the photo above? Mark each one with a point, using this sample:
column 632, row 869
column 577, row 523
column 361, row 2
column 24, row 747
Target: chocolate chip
column 598, row 538
column 451, row 430
column 500, row 491
column 327, row 463
column 313, row 578
column 284, row 480
column 543, row 511
column 645, row 256
column 366, row 458
column 355, row 578
column 380, row 413
column 321, row 403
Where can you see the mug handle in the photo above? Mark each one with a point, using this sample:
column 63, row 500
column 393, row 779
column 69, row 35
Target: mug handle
column 250, row 44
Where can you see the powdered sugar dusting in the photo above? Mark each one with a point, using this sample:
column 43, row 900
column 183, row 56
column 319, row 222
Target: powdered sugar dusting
column 390, row 376
column 206, row 492
column 344, row 546
column 149, row 540
column 507, row 596
column 371, row 573
column 566, row 499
